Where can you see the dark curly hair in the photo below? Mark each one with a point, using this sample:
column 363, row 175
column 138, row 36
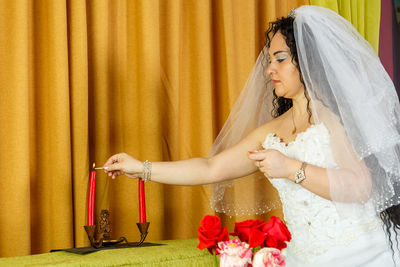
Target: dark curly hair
column 390, row 216
column 391, row 220
column 285, row 27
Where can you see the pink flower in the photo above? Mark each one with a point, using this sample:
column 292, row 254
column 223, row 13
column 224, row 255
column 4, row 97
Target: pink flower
column 269, row 257
column 234, row 253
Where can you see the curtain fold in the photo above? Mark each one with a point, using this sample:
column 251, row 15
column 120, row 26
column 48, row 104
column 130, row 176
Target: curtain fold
column 79, row 114
column 15, row 78
column 363, row 14
column 81, row 80
column 50, row 177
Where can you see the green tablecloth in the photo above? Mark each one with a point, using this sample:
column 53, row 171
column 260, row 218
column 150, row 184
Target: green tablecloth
column 175, row 253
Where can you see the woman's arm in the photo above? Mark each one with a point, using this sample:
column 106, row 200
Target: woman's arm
column 228, row 164
column 316, row 181
column 274, row 164
column 351, row 180
column 357, row 187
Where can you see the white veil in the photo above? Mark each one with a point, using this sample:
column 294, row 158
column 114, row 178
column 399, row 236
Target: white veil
column 252, row 194
column 351, row 93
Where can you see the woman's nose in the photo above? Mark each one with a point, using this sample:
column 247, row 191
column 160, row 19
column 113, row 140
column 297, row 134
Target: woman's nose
column 270, row 69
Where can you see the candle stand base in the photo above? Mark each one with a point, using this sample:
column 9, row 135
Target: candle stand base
column 105, row 230
column 143, row 227
column 90, row 231
column 103, row 242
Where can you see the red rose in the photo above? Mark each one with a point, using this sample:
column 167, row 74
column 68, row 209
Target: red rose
column 256, row 238
column 243, row 229
column 277, row 233
column 210, row 233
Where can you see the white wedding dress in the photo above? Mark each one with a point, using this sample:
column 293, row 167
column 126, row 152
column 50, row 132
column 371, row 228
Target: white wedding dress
column 320, row 237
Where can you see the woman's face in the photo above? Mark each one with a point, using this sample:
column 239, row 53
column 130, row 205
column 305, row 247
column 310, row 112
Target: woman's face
column 282, row 69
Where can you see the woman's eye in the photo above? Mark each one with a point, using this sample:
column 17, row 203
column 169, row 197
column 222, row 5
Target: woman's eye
column 280, row 59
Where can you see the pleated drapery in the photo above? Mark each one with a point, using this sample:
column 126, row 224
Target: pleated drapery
column 81, row 80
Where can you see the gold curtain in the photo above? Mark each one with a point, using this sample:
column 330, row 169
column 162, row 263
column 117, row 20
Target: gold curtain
column 81, row 80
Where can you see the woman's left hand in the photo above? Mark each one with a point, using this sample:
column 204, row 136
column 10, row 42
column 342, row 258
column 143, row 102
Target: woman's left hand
column 274, row 164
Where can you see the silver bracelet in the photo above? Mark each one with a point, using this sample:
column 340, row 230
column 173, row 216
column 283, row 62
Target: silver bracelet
column 146, row 176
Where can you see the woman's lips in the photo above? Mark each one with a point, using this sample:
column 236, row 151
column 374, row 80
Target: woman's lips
column 276, row 81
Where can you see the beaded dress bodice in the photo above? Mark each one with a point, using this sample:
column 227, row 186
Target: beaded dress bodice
column 313, row 221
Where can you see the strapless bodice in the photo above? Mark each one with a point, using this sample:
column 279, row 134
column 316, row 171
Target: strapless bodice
column 314, row 221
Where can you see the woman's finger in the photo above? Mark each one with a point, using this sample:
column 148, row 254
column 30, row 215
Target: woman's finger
column 113, row 159
column 115, row 167
column 110, row 160
column 257, row 156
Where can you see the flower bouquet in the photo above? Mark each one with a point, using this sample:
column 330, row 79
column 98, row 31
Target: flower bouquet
column 259, row 243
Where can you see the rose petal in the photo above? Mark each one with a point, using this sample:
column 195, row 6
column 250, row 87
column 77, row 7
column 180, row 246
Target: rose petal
column 256, row 238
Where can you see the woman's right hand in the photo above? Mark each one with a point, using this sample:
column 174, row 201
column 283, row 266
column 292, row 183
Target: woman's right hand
column 123, row 164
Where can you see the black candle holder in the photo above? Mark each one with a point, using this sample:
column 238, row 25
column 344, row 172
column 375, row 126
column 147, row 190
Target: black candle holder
column 104, row 230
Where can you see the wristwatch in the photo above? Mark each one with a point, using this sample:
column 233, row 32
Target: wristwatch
column 300, row 175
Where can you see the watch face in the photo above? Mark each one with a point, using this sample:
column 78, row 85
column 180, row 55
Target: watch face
column 300, row 176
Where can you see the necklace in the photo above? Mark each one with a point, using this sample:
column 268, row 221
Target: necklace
column 294, row 125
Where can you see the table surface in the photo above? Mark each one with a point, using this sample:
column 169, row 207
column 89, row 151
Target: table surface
column 175, row 253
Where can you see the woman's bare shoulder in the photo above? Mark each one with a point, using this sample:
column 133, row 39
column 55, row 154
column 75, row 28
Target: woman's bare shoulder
column 270, row 127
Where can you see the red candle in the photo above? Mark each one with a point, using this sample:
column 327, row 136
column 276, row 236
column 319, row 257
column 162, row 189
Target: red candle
column 142, row 202
column 92, row 186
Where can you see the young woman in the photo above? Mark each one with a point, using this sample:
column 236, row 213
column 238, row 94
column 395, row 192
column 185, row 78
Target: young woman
column 330, row 148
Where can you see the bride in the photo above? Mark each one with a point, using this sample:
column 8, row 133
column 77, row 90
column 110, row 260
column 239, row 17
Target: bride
column 319, row 118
